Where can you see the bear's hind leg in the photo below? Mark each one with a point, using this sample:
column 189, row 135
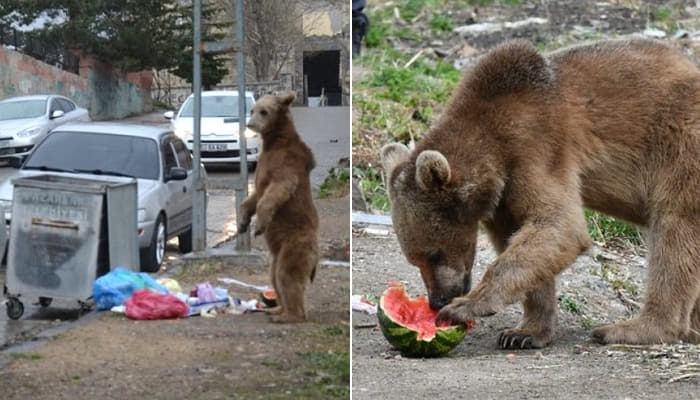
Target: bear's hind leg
column 536, row 329
column 673, row 284
column 273, row 279
column 295, row 263
column 693, row 336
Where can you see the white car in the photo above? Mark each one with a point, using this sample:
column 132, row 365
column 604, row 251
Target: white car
column 157, row 158
column 26, row 120
column 219, row 129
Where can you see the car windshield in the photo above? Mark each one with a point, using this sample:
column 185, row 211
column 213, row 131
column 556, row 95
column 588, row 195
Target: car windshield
column 22, row 109
column 97, row 153
column 224, row 106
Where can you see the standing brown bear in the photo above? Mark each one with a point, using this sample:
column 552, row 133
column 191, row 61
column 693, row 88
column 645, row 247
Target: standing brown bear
column 282, row 201
column 524, row 144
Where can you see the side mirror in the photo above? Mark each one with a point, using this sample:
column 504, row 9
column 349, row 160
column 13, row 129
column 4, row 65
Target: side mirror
column 57, row 114
column 16, row 161
column 176, row 174
column 169, row 114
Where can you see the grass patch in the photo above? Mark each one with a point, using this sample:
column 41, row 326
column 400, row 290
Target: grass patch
column 604, row 229
column 337, row 184
column 610, row 273
column 329, row 376
column 588, row 322
column 441, row 23
column 335, row 331
column 372, row 187
column 570, row 304
column 26, row 356
column 662, row 14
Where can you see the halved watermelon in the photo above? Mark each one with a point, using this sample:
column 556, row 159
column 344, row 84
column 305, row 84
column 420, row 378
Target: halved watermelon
column 409, row 325
column 269, row 297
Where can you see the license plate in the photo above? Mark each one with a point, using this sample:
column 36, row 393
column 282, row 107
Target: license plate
column 214, row 147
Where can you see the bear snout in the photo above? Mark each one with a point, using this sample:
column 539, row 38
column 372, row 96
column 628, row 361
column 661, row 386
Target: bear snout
column 438, row 302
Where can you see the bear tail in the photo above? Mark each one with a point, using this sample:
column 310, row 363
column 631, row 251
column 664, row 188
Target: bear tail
column 509, row 68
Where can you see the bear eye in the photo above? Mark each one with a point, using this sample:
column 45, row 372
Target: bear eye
column 263, row 112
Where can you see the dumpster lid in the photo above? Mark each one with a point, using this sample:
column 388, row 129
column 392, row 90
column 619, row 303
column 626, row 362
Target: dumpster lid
column 74, row 184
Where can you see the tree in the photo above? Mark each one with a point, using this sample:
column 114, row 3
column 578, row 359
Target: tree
column 214, row 28
column 132, row 35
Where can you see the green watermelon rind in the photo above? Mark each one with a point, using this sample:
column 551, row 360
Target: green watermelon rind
column 406, row 340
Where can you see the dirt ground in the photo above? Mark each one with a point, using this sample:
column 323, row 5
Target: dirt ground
column 229, row 356
column 604, row 286
column 601, row 287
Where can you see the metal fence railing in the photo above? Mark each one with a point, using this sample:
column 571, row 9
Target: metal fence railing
column 41, row 49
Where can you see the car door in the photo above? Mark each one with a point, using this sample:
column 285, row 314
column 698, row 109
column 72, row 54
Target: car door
column 184, row 160
column 69, row 109
column 176, row 193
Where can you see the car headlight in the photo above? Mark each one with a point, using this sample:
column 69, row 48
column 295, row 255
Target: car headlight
column 141, row 214
column 33, row 131
column 249, row 133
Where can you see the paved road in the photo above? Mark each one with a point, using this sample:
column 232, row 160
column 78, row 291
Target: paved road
column 325, row 130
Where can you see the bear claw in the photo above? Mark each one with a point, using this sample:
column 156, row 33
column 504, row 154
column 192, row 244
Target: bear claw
column 516, row 341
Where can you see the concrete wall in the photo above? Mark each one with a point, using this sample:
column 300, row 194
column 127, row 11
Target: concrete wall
column 106, row 93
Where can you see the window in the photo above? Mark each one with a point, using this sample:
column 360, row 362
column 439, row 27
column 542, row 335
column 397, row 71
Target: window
column 55, row 106
column 66, row 105
column 183, row 155
column 169, row 160
column 22, row 109
column 110, row 154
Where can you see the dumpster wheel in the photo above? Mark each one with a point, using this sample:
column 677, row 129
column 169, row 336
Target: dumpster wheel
column 15, row 308
column 45, row 301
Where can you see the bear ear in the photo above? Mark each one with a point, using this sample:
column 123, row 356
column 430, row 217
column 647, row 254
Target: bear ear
column 393, row 154
column 432, row 170
column 288, row 98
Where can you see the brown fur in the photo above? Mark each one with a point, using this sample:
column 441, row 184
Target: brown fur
column 525, row 143
column 282, row 201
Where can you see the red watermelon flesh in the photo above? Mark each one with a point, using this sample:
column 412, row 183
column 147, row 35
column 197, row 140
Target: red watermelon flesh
column 414, row 314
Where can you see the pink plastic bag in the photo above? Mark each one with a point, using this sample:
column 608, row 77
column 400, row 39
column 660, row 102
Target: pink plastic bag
column 147, row 304
column 205, row 292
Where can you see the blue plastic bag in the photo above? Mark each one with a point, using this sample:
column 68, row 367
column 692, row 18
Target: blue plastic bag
column 118, row 285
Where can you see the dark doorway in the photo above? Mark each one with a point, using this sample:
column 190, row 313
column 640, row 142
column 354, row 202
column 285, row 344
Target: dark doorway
column 322, row 73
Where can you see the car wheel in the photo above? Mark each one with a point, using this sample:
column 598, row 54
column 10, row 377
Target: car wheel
column 252, row 165
column 184, row 241
column 153, row 255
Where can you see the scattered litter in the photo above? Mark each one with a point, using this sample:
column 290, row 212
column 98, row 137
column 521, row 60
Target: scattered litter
column 680, row 34
column 375, row 219
column 204, row 292
column 171, row 284
column 118, row 285
column 118, row 309
column 361, row 303
column 654, row 33
column 148, row 305
column 511, row 357
column 334, row 263
column 491, row 27
column 231, row 281
column 376, row 231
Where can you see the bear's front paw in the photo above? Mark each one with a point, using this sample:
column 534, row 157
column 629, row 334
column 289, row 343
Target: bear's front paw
column 462, row 310
column 261, row 224
column 243, row 227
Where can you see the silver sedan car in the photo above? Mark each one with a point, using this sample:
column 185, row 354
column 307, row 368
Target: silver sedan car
column 159, row 160
column 26, row 120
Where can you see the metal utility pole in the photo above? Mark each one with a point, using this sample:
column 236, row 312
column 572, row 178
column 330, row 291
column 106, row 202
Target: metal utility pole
column 242, row 239
column 199, row 197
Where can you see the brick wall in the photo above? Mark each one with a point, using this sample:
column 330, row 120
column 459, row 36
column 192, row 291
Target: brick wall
column 105, row 92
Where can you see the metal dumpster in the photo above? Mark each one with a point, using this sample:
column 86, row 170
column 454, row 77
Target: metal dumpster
column 65, row 232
